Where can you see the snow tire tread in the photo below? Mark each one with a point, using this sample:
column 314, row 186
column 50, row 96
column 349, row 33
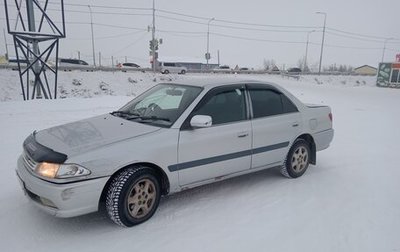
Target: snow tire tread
column 114, row 193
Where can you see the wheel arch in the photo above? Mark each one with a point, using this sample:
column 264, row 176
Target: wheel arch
column 310, row 140
column 161, row 175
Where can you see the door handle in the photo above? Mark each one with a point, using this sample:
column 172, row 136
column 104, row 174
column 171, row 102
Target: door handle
column 243, row 134
column 295, row 124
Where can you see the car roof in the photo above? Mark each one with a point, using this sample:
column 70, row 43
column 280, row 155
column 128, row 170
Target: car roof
column 212, row 82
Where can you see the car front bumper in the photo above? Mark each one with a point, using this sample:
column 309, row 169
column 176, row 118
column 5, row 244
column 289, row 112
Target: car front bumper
column 61, row 200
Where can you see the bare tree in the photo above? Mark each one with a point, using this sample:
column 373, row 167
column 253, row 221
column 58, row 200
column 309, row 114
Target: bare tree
column 269, row 64
column 300, row 64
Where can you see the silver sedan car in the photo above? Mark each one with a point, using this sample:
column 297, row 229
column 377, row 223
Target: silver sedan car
column 172, row 137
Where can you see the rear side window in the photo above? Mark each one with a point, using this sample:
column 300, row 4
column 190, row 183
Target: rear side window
column 266, row 102
column 288, row 106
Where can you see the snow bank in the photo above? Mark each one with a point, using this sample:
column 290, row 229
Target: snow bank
column 95, row 84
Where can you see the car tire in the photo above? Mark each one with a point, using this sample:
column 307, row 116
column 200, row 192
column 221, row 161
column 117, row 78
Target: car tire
column 166, row 72
column 183, row 71
column 297, row 160
column 133, row 196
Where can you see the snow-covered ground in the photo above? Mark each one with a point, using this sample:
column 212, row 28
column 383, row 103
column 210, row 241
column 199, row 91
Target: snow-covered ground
column 349, row 201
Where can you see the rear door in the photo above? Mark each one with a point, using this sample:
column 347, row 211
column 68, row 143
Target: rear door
column 225, row 147
column 275, row 123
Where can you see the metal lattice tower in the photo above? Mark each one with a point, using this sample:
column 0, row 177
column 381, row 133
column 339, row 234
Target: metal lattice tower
column 34, row 47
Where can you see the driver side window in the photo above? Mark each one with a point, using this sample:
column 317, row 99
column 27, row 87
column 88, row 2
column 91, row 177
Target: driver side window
column 226, row 106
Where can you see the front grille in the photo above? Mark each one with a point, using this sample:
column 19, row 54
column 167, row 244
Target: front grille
column 29, row 163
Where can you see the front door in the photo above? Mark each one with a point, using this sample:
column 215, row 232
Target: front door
column 222, row 149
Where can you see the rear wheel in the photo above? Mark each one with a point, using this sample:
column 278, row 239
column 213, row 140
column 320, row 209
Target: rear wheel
column 297, row 160
column 133, row 196
column 183, row 71
column 166, row 72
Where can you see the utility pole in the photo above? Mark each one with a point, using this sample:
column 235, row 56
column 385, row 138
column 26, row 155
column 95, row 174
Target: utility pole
column 322, row 44
column 79, row 55
column 305, row 57
column 218, row 56
column 5, row 43
column 384, row 48
column 100, row 59
column 112, row 61
column 27, row 37
column 208, row 56
column 35, row 45
column 91, row 26
column 153, row 34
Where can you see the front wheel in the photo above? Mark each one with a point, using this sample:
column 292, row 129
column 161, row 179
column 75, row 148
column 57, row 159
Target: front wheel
column 297, row 160
column 183, row 71
column 133, row 196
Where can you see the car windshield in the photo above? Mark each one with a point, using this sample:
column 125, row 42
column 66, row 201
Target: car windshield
column 161, row 105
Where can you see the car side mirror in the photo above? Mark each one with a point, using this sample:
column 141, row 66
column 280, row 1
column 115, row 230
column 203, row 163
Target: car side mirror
column 201, row 121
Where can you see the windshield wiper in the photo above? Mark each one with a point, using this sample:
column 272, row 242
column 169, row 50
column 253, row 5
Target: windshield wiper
column 135, row 115
column 154, row 118
column 124, row 113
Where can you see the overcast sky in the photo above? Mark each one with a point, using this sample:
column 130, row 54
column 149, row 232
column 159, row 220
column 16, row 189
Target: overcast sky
column 239, row 44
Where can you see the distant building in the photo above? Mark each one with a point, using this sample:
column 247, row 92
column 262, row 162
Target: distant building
column 388, row 75
column 189, row 63
column 367, row 70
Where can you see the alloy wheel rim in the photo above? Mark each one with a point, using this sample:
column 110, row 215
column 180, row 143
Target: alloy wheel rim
column 299, row 159
column 141, row 198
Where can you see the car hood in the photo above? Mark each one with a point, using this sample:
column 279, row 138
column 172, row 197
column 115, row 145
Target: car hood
column 92, row 133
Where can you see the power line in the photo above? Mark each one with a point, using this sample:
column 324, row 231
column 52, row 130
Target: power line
column 172, row 32
column 332, row 31
column 354, row 47
column 231, row 27
column 295, row 42
column 184, row 32
column 183, row 35
column 105, row 6
column 107, row 13
column 109, row 37
column 216, row 20
column 87, row 12
column 353, row 37
column 122, row 27
column 240, row 23
column 130, row 44
column 257, row 39
column 358, row 34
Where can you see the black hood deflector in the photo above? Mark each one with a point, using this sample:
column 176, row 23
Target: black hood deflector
column 41, row 153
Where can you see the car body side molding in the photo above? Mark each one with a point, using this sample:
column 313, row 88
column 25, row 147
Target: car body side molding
column 204, row 161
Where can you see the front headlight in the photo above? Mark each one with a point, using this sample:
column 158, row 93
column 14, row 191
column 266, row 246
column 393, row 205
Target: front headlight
column 51, row 170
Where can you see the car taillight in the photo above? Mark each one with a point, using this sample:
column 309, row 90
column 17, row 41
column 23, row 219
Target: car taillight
column 330, row 117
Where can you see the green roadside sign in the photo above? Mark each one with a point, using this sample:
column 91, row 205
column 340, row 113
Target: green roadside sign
column 383, row 79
